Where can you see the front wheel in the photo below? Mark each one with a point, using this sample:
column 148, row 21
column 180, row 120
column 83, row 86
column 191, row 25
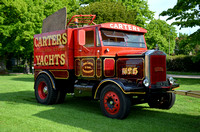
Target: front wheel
column 162, row 101
column 114, row 103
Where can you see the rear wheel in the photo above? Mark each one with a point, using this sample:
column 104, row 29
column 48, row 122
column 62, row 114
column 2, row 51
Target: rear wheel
column 61, row 96
column 114, row 103
column 44, row 91
column 162, row 101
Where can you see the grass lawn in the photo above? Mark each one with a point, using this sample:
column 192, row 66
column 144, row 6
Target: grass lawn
column 183, row 73
column 19, row 111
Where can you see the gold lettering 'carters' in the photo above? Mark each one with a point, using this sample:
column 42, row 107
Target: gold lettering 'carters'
column 50, row 40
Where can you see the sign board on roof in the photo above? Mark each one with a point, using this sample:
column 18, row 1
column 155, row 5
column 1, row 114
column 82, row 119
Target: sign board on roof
column 123, row 26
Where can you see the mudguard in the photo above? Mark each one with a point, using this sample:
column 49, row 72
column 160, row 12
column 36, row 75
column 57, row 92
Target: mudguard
column 50, row 77
column 125, row 86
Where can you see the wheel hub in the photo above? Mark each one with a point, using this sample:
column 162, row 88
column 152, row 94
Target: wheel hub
column 45, row 90
column 111, row 102
column 42, row 90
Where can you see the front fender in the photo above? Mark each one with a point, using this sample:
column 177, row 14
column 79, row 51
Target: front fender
column 123, row 85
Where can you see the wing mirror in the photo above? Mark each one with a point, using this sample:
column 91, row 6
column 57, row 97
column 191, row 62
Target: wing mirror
column 81, row 37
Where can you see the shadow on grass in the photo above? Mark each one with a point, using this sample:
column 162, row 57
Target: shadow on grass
column 24, row 79
column 84, row 113
column 26, row 97
column 87, row 116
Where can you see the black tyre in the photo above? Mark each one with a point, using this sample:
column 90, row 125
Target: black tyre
column 114, row 103
column 162, row 101
column 61, row 96
column 44, row 92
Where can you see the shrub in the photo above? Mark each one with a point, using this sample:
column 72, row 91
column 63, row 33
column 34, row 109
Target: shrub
column 182, row 63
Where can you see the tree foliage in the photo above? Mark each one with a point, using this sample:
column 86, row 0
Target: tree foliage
column 129, row 11
column 107, row 11
column 189, row 45
column 183, row 44
column 185, row 12
column 194, row 39
column 141, row 9
column 21, row 19
column 161, row 34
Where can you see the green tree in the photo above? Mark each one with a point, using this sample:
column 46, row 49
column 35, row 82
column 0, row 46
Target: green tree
column 185, row 12
column 130, row 11
column 140, row 11
column 161, row 34
column 195, row 43
column 183, row 44
column 20, row 20
column 187, row 45
column 107, row 11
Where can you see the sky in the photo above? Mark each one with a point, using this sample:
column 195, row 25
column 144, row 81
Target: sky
column 162, row 5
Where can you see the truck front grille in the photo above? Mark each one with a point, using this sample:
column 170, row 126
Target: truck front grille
column 157, row 68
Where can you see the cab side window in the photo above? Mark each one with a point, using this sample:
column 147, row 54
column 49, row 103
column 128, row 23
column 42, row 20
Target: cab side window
column 89, row 39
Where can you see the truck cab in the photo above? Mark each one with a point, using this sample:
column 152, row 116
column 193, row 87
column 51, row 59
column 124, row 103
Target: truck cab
column 104, row 44
column 109, row 62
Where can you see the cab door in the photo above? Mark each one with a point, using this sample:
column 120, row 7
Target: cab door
column 87, row 54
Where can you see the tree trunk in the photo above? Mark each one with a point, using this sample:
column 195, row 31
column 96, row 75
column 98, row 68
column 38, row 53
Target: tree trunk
column 30, row 63
column 3, row 69
column 26, row 69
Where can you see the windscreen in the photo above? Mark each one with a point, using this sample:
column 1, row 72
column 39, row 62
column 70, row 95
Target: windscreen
column 122, row 39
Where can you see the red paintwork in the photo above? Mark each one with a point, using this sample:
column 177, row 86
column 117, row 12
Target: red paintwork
column 157, row 68
column 109, row 67
column 131, row 52
column 70, row 38
column 98, row 68
column 62, row 54
column 63, row 74
column 43, row 54
column 113, row 51
column 78, row 67
column 92, row 51
column 74, row 54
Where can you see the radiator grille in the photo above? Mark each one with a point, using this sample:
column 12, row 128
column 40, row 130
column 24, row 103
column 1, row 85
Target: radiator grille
column 157, row 68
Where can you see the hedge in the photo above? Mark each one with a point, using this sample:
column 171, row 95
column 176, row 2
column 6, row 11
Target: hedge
column 182, row 63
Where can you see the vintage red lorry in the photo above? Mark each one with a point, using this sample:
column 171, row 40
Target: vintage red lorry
column 109, row 62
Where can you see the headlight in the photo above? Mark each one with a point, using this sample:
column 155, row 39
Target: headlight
column 171, row 80
column 146, row 82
